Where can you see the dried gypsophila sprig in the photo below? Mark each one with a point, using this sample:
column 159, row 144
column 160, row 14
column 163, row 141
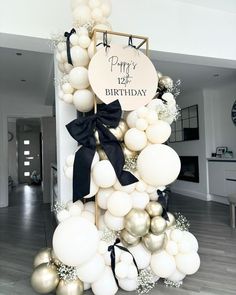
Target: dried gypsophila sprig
column 165, row 111
column 131, row 164
column 172, row 284
column 146, row 281
column 67, row 273
column 56, row 38
column 61, row 81
column 182, row 222
column 108, row 235
column 58, row 207
column 89, row 26
column 175, row 90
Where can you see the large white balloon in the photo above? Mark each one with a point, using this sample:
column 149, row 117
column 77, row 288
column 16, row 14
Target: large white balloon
column 75, row 241
column 163, row 264
column 128, row 284
column 89, row 216
column 176, row 276
column 121, row 270
column 172, row 248
column 92, row 270
column 106, row 284
column 176, row 235
column 84, row 41
column 191, row 239
column 119, row 203
column 104, row 174
column 83, row 100
column 141, row 255
column 135, row 139
column 126, row 188
column 158, row 132
column 140, row 200
column 79, row 56
column 79, row 78
column 113, row 222
column 158, row 164
column 188, row 263
column 82, row 15
column 102, row 197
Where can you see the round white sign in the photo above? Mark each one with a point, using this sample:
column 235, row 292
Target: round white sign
column 123, row 73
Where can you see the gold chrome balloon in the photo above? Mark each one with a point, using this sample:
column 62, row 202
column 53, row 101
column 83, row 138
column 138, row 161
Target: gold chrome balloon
column 128, row 239
column 158, row 225
column 43, row 256
column 165, row 82
column 123, row 126
column 154, row 209
column 55, row 260
column 117, row 133
column 137, row 222
column 101, row 153
column 128, row 153
column 97, row 137
column 44, row 278
column 75, row 287
column 153, row 242
column 159, row 75
column 171, row 221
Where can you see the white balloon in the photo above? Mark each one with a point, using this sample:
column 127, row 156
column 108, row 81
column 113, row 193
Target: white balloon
column 126, row 188
column 92, row 270
column 113, row 222
column 184, row 246
column 141, row 186
column 106, row 284
column 68, row 98
column 102, row 247
column 82, row 31
column 172, row 248
column 67, row 88
column 84, row 41
column 143, row 112
column 126, row 257
column 107, row 256
column 169, row 97
column 69, row 204
column 151, row 189
column 74, row 39
column 135, row 139
column 106, row 9
column 132, row 272
column 152, row 116
column 188, row 263
column 163, row 264
column 69, row 172
column 176, row 235
column 128, row 284
column 68, row 67
column 139, row 200
column 94, row 3
column 154, row 104
column 70, row 160
column 79, row 204
column 82, row 15
column 74, row 210
column 158, row 132
column 104, row 174
column 95, row 159
column 64, row 56
column 75, row 241
column 87, row 286
column 79, row 56
column 131, row 119
column 158, row 164
column 63, row 215
column 89, row 206
column 79, row 78
column 121, row 270
column 141, row 124
column 75, row 3
column 176, row 276
column 93, row 189
column 102, row 197
column 101, row 223
column 97, row 14
column 83, row 100
column 141, row 255
column 191, row 239
column 119, row 203
column 61, row 46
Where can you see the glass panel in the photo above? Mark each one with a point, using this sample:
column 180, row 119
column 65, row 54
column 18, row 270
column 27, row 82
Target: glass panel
column 193, row 111
column 193, row 123
column 26, row 142
column 178, row 125
column 26, row 163
column 26, row 174
column 184, row 113
column 186, row 123
column 179, row 135
column 26, row 153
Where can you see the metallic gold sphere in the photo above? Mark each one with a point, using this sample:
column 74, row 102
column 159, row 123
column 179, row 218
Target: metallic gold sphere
column 171, row 221
column 101, row 153
column 153, row 242
column 43, row 256
column 117, row 133
column 165, row 82
column 154, row 209
column 75, row 287
column 55, row 260
column 127, row 239
column 137, row 222
column 159, row 75
column 158, row 225
column 128, row 153
column 97, row 137
column 44, row 278
column 123, row 126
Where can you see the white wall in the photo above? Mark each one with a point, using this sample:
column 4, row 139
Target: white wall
column 193, row 148
column 12, row 153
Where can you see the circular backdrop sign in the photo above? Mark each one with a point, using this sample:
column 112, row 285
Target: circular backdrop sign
column 123, row 73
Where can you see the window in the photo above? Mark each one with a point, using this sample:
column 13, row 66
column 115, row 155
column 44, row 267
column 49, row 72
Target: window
column 26, row 163
column 26, row 142
column 26, row 174
column 26, row 153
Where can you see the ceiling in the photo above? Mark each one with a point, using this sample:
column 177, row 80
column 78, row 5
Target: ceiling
column 26, row 75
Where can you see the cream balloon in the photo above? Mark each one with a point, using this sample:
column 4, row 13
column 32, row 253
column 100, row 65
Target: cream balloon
column 106, row 9
column 61, row 46
column 169, row 98
column 141, row 186
column 172, row 248
column 67, row 88
column 121, row 270
column 80, row 204
column 90, row 206
column 74, row 39
column 92, row 270
column 132, row 272
column 106, row 284
column 141, row 255
column 139, row 200
column 97, row 14
column 82, row 15
column 176, row 235
column 135, row 139
column 158, row 132
column 141, row 124
column 83, row 100
column 176, row 276
column 73, row 234
column 79, row 56
column 68, row 98
column 104, row 174
column 102, row 197
column 188, row 263
column 191, row 239
column 113, row 222
column 142, row 112
column 158, row 164
column 79, row 78
column 128, row 284
column 184, row 246
column 119, row 203
column 132, row 118
column 84, row 41
column 151, row 116
column 74, row 210
column 88, row 216
column 63, row 215
column 70, row 160
column 163, row 264
column 126, row 188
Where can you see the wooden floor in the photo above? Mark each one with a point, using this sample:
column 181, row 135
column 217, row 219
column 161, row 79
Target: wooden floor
column 27, row 225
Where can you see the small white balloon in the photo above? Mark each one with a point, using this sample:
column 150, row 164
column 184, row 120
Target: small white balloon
column 79, row 204
column 176, row 276
column 184, row 246
column 83, row 100
column 104, row 174
column 131, row 119
column 128, row 284
column 70, row 160
column 158, row 132
column 135, row 139
column 88, row 216
column 121, row 270
column 143, row 112
column 141, row 124
column 102, row 247
column 90, row 206
column 75, row 210
column 61, row 46
column 169, row 98
column 69, row 172
column 126, row 188
column 163, row 264
column 113, row 222
column 126, row 257
column 79, row 56
column 84, row 41
column 141, row 186
column 172, row 248
column 64, row 56
column 63, row 215
column 82, row 31
column 68, row 98
column 82, row 15
column 74, row 39
column 141, row 255
column 152, row 116
column 132, row 272
column 68, row 67
column 176, row 235
column 188, row 263
column 97, row 14
column 119, row 203
column 106, row 284
column 79, row 78
column 102, row 197
column 139, row 199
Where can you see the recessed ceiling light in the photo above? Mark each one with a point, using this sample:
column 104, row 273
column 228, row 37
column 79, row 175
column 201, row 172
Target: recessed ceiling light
column 23, row 80
column 19, row 53
column 216, row 75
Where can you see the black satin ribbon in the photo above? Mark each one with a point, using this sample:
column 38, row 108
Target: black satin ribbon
column 130, row 43
column 105, row 41
column 67, row 35
column 163, row 200
column 113, row 258
column 82, row 130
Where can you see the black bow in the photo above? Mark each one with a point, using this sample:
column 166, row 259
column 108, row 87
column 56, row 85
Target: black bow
column 113, row 258
column 82, row 130
column 67, row 35
column 163, row 200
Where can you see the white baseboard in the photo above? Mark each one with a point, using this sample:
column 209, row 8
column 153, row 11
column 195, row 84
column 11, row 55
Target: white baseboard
column 192, row 194
column 219, row 199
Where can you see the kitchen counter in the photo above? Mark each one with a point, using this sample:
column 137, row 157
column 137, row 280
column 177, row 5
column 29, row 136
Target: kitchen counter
column 215, row 159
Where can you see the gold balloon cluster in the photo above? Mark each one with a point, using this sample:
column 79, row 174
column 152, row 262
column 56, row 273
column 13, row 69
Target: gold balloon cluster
column 147, row 225
column 165, row 83
column 45, row 277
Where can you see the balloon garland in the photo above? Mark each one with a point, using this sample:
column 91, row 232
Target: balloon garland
column 137, row 241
